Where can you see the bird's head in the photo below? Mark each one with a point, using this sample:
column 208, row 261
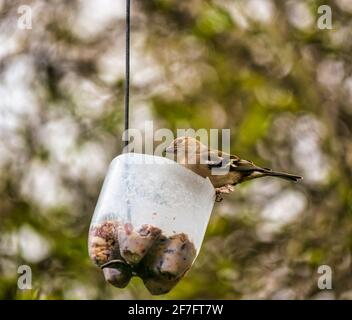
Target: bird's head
column 185, row 145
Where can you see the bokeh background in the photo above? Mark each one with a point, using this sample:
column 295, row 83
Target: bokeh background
column 260, row 67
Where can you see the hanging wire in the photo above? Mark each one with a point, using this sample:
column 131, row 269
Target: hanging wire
column 127, row 72
column 127, row 97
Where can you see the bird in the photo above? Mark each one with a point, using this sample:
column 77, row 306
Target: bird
column 232, row 170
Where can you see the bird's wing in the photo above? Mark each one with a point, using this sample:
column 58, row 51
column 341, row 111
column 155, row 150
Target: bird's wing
column 247, row 169
column 218, row 159
column 241, row 165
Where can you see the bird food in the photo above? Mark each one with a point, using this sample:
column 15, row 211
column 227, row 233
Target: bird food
column 103, row 242
column 134, row 244
column 122, row 251
column 158, row 284
column 167, row 262
column 170, row 257
column 118, row 274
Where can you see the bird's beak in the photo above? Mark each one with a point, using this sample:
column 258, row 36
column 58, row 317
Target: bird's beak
column 170, row 149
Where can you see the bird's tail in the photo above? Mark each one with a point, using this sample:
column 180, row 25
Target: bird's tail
column 251, row 171
column 282, row 175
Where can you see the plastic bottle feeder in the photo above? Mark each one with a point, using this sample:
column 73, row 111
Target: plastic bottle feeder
column 149, row 221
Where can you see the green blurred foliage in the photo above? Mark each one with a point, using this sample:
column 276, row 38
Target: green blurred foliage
column 262, row 68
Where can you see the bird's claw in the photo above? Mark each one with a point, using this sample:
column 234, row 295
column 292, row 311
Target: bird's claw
column 218, row 196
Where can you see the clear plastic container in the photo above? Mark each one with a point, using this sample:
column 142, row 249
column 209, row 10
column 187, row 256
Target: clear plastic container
column 150, row 221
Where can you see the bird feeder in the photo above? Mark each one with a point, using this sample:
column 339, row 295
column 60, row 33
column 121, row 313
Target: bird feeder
column 151, row 215
column 149, row 221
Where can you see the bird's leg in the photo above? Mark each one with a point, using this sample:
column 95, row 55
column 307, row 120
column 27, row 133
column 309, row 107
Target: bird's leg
column 226, row 189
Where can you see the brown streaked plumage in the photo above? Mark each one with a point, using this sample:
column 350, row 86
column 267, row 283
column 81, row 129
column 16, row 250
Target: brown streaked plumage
column 200, row 159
